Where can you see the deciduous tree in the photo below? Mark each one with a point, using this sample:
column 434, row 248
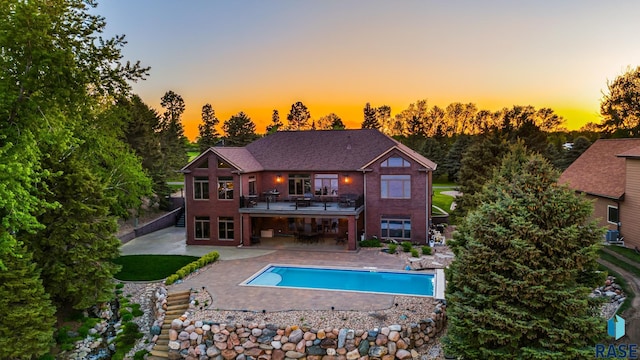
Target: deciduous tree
column 525, row 263
column 330, row 122
column 620, row 106
column 298, row 117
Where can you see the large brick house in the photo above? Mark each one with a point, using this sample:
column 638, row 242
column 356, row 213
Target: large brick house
column 342, row 184
column 608, row 172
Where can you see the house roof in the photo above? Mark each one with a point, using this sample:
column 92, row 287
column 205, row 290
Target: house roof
column 633, row 153
column 314, row 150
column 599, row 170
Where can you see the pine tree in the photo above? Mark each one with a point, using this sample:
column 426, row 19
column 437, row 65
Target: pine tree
column 208, row 133
column 26, row 315
column 239, row 130
column 370, row 120
column 525, row 263
column 275, row 124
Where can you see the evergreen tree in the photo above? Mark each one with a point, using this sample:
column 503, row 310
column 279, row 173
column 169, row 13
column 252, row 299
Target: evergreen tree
column 275, row 124
column 298, row 117
column 172, row 140
column 208, row 133
column 27, row 317
column 476, row 166
column 370, row 119
column 525, row 263
column 453, row 160
column 239, row 130
column 76, row 248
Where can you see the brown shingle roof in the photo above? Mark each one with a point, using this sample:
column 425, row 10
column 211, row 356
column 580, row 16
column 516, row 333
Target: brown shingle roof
column 599, row 171
column 239, row 158
column 320, row 150
column 633, row 153
column 314, row 150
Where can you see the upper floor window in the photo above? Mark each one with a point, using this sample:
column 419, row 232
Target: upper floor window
column 395, row 162
column 395, row 186
column 204, row 164
column 326, row 184
column 223, row 164
column 201, row 188
column 612, row 214
column 225, row 188
column 252, row 185
column 202, row 228
column 299, row 184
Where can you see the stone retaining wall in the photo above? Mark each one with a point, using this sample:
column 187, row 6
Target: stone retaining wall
column 203, row 339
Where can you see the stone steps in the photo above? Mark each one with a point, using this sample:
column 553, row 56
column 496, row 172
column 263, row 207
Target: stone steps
column 177, row 304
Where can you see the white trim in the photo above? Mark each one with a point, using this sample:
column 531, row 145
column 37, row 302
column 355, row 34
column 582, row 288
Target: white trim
column 609, row 221
column 440, row 285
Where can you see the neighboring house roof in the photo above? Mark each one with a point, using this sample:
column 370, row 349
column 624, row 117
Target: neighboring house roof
column 633, row 153
column 314, row 150
column 599, row 170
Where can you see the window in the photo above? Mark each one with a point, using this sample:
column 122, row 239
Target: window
column 225, row 228
column 395, row 186
column 225, row 188
column 222, row 164
column 326, row 184
column 395, row 162
column 252, row 185
column 204, row 164
column 612, row 214
column 299, row 184
column 201, row 188
column 395, row 228
column 202, row 228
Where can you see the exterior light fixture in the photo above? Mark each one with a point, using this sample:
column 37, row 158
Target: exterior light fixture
column 279, row 178
column 347, row 179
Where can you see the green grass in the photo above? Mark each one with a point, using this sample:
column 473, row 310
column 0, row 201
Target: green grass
column 634, row 269
column 192, row 154
column 626, row 252
column 440, row 200
column 150, row 267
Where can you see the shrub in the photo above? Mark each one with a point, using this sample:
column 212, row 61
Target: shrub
column 406, row 246
column 414, row 253
column 127, row 317
column 426, row 250
column 370, row 243
column 119, row 285
column 192, row 266
column 392, row 248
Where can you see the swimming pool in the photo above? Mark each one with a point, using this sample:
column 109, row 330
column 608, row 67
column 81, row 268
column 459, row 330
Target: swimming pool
column 369, row 280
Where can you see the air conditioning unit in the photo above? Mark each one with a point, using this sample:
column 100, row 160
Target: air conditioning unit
column 612, row 235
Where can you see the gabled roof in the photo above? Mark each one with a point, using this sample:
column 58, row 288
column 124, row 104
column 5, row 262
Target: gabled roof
column 599, row 170
column 314, row 150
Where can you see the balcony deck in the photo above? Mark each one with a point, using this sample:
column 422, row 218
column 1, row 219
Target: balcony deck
column 311, row 208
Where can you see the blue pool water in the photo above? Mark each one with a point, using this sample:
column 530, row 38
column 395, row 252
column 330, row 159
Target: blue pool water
column 368, row 280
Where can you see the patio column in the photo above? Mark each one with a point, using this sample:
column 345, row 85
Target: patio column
column 246, row 230
column 353, row 233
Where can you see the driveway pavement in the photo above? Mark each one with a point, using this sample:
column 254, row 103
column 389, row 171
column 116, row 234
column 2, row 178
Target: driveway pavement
column 172, row 241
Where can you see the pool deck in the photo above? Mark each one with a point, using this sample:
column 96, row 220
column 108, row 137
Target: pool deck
column 222, row 280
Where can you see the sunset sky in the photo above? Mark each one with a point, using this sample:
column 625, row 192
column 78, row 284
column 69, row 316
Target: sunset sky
column 337, row 55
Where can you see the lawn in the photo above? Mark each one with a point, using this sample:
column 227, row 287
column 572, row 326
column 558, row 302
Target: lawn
column 150, row 267
column 440, row 200
column 192, row 154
